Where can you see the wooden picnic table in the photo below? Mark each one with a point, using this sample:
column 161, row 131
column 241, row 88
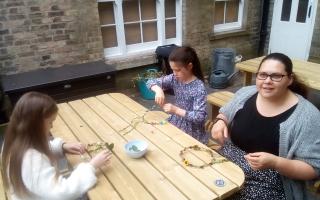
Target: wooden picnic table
column 307, row 72
column 160, row 174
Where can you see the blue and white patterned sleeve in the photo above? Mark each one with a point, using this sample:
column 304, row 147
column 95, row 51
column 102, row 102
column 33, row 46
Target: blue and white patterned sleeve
column 198, row 114
column 165, row 82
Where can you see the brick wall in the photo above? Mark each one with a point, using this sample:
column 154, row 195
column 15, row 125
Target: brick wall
column 197, row 31
column 48, row 33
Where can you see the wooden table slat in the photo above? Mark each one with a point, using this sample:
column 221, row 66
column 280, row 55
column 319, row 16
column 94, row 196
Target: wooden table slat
column 103, row 189
column 161, row 189
column 306, row 72
column 160, row 174
column 177, row 133
column 123, row 177
column 170, row 168
column 2, row 190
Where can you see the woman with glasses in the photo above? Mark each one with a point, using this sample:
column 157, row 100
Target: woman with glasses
column 273, row 133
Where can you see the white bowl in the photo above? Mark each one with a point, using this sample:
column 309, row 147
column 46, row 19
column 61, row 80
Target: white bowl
column 136, row 148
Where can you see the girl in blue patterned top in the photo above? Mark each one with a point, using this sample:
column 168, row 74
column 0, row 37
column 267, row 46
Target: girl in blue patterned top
column 189, row 110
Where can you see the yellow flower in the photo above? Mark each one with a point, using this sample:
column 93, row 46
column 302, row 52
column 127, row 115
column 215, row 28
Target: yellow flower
column 186, row 162
column 317, row 184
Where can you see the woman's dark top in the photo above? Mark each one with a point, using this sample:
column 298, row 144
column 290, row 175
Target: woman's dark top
column 252, row 132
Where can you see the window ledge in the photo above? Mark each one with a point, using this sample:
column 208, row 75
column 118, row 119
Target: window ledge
column 132, row 60
column 227, row 34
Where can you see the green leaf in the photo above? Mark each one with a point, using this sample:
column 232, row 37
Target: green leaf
column 134, row 148
column 110, row 146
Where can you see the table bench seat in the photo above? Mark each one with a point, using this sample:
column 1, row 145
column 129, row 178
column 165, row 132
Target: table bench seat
column 2, row 190
column 62, row 83
column 217, row 100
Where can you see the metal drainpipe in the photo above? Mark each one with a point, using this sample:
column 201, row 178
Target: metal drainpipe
column 264, row 26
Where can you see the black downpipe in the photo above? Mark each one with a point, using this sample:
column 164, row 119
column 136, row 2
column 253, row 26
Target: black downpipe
column 264, row 27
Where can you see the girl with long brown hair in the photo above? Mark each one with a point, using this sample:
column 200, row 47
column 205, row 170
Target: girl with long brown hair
column 29, row 158
column 189, row 109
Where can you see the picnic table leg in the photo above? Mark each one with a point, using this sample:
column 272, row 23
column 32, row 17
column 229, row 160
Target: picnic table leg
column 214, row 111
column 247, row 78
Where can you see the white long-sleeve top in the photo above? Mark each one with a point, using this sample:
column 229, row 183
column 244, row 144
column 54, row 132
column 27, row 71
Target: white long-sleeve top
column 39, row 176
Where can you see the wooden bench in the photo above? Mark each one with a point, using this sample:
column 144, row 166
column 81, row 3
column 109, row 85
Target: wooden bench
column 217, row 100
column 62, row 83
column 2, row 190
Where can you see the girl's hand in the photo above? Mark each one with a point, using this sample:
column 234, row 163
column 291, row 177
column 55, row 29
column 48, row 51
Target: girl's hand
column 159, row 96
column 219, row 131
column 170, row 108
column 101, row 158
column 73, row 148
column 261, row 160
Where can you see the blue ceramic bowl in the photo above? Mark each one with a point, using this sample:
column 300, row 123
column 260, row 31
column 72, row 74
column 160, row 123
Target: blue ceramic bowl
column 136, row 148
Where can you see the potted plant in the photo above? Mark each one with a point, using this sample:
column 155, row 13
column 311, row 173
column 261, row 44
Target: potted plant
column 141, row 81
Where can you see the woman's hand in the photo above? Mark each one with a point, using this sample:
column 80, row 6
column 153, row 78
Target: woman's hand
column 101, row 158
column 73, row 148
column 261, row 160
column 159, row 96
column 219, row 132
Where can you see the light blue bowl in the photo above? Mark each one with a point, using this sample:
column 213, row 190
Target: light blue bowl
column 136, row 148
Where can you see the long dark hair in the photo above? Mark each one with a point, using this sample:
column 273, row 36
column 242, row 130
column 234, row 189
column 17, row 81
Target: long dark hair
column 296, row 86
column 26, row 129
column 186, row 55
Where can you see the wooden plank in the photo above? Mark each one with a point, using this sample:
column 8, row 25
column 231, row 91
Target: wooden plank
column 2, row 190
column 172, row 148
column 220, row 98
column 228, row 169
column 103, row 189
column 247, row 78
column 121, row 178
column 183, row 180
column 217, row 100
column 307, row 72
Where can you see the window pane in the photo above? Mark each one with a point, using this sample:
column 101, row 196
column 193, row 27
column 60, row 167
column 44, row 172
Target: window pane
column 132, row 32
column 219, row 13
column 170, row 8
column 286, row 10
column 149, row 31
column 232, row 8
column 148, row 9
column 302, row 11
column 170, row 28
column 109, row 36
column 130, row 11
column 106, row 13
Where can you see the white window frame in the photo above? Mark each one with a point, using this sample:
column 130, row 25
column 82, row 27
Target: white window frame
column 234, row 25
column 123, row 50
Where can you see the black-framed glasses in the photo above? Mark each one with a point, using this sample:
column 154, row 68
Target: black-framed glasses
column 274, row 76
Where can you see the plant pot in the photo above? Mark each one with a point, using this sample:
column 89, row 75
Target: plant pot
column 145, row 92
column 141, row 82
column 219, row 79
